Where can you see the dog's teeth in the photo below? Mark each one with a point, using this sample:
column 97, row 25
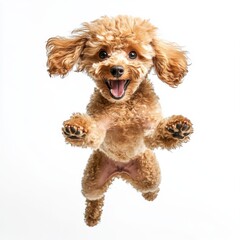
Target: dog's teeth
column 108, row 82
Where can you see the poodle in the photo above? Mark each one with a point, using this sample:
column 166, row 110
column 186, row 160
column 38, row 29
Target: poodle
column 124, row 122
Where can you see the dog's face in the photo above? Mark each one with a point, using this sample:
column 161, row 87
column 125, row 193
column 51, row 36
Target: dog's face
column 117, row 53
column 118, row 56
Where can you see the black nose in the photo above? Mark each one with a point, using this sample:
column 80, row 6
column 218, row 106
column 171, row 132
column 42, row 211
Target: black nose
column 117, row 71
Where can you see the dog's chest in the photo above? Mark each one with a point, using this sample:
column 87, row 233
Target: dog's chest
column 142, row 112
column 130, row 120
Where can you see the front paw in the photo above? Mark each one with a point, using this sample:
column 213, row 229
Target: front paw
column 180, row 128
column 73, row 132
column 76, row 129
column 82, row 131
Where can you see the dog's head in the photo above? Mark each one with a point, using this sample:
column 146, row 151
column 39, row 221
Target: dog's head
column 117, row 53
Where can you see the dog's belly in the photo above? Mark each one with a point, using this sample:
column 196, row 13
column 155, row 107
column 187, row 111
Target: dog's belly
column 123, row 144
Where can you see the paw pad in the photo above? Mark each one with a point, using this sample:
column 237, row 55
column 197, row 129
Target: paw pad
column 180, row 129
column 73, row 132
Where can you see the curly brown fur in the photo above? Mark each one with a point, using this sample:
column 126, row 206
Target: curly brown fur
column 124, row 119
column 93, row 211
column 168, row 133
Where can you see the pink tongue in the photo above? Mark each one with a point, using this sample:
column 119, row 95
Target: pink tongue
column 117, row 88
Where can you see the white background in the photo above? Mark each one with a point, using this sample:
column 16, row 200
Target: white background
column 40, row 176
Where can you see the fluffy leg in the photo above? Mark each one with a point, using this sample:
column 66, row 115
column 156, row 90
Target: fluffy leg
column 150, row 196
column 81, row 130
column 170, row 133
column 142, row 172
column 144, row 175
column 96, row 180
column 93, row 211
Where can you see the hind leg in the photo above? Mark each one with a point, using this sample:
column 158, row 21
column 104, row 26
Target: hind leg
column 93, row 211
column 144, row 175
column 96, row 180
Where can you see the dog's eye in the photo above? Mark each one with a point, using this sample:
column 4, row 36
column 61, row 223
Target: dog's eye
column 103, row 54
column 132, row 55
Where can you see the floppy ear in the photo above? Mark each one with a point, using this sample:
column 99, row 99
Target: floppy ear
column 63, row 54
column 170, row 62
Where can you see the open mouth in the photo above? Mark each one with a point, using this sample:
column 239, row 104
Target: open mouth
column 117, row 88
